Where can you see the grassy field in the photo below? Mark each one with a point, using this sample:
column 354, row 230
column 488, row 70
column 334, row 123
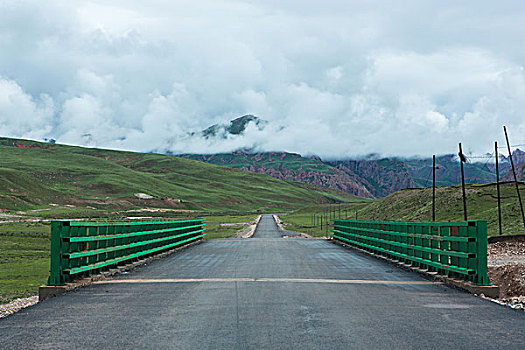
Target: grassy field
column 416, row 205
column 24, row 259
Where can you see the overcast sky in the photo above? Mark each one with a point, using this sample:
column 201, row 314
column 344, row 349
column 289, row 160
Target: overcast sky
column 333, row 78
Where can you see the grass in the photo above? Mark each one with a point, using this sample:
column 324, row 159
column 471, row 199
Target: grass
column 301, row 220
column 213, row 230
column 24, row 259
column 416, row 205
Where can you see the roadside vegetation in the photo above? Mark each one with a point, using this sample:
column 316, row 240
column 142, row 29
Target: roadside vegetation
column 24, row 259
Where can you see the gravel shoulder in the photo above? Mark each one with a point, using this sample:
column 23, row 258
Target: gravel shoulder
column 17, row 305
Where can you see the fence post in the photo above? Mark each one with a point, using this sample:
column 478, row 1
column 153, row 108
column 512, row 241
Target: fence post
column 434, row 187
column 462, row 159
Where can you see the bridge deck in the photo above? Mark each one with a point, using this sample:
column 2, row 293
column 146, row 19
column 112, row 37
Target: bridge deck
column 265, row 292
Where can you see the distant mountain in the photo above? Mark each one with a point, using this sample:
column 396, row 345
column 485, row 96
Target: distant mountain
column 367, row 177
column 236, row 127
column 518, row 157
column 290, row 167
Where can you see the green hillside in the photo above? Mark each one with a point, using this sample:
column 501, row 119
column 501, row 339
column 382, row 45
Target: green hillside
column 35, row 176
column 416, row 205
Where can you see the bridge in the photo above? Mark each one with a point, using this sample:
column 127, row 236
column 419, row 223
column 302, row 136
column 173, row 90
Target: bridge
column 265, row 292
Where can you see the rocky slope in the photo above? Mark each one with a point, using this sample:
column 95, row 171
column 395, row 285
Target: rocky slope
column 382, row 177
column 290, row 167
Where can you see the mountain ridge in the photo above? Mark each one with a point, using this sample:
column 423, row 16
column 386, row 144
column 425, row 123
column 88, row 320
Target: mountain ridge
column 372, row 176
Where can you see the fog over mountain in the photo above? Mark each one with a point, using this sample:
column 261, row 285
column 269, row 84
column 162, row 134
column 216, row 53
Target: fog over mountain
column 335, row 79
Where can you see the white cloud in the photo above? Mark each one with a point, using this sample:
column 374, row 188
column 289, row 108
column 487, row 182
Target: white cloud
column 334, row 78
column 21, row 115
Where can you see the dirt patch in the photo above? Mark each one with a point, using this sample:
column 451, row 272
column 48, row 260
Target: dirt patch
column 509, row 278
column 286, row 233
column 506, row 266
column 236, row 224
column 157, row 210
column 513, row 250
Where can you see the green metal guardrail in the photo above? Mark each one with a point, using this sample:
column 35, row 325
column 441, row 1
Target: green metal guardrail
column 80, row 248
column 455, row 249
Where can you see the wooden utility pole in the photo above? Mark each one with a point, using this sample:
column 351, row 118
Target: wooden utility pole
column 497, row 186
column 515, row 177
column 434, row 188
column 461, row 160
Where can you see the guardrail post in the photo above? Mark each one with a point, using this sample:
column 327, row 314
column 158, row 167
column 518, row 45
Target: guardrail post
column 482, row 277
column 56, row 277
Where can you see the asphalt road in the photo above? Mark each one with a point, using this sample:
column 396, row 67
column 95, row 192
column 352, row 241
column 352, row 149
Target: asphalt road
column 265, row 292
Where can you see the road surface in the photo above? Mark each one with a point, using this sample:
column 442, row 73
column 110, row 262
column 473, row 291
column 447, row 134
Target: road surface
column 265, row 292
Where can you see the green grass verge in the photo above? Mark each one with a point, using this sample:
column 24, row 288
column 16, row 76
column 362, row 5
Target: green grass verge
column 24, row 259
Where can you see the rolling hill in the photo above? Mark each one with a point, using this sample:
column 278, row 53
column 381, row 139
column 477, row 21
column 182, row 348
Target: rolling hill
column 38, row 176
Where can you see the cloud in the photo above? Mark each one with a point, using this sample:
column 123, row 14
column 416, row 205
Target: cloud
column 336, row 79
column 21, row 115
